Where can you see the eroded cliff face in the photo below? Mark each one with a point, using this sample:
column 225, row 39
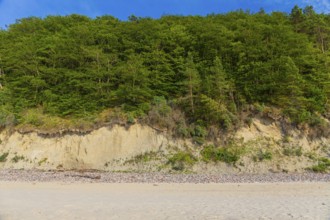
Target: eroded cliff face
column 80, row 151
column 291, row 149
column 268, row 147
column 272, row 130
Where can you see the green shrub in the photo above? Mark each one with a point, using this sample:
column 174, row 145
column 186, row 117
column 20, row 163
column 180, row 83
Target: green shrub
column 199, row 140
column 33, row 117
column 320, row 168
column 130, row 119
column 199, row 131
column 209, row 153
column 3, row 157
column 224, row 154
column 259, row 107
column 263, row 155
column 181, row 160
column 143, row 109
column 182, row 130
column 323, row 166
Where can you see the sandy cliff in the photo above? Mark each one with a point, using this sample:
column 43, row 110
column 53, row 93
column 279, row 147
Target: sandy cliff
column 82, row 151
column 108, row 149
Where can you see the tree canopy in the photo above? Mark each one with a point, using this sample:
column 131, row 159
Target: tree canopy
column 208, row 67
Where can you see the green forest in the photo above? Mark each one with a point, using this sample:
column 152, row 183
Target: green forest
column 201, row 70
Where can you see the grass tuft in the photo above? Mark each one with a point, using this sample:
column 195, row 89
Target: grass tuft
column 323, row 166
column 181, row 160
column 263, row 155
column 227, row 155
column 3, row 157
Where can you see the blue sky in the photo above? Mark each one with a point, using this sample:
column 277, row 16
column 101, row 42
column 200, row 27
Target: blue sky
column 10, row 10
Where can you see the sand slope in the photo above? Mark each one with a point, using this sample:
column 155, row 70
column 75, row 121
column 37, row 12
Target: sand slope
column 164, row 201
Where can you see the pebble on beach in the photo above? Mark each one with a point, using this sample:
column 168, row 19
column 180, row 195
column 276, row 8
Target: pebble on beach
column 116, row 177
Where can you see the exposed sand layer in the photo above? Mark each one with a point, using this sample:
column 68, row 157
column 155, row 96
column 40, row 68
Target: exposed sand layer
column 80, row 151
column 26, row 200
column 266, row 147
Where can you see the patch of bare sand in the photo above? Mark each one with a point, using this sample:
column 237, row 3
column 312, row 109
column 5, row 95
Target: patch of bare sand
column 164, row 201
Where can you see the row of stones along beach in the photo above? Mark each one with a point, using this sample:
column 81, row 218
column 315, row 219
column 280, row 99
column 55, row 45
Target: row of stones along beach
column 117, row 177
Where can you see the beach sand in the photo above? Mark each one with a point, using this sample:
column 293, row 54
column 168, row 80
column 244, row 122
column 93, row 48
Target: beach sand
column 35, row 200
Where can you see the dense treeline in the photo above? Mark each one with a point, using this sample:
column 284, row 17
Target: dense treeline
column 210, row 68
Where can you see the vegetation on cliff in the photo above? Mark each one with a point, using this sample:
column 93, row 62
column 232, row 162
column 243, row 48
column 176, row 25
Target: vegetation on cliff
column 202, row 71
